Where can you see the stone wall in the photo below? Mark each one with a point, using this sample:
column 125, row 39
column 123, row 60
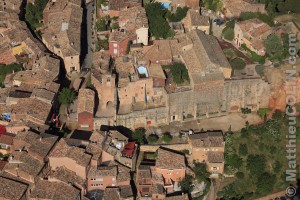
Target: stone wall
column 153, row 148
column 144, row 118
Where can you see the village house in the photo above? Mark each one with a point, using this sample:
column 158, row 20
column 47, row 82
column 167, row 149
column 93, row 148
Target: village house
column 6, row 142
column 22, row 165
column 62, row 30
column 72, row 158
column 252, row 33
column 122, row 193
column 208, row 147
column 17, row 43
column 172, row 167
column 85, row 109
column 194, row 20
column 193, row 4
column 37, row 145
column 233, row 8
column 133, row 27
column 95, row 147
column 114, row 175
column 11, row 189
column 11, row 6
column 66, row 176
column 117, row 148
column 47, row 190
column 113, row 7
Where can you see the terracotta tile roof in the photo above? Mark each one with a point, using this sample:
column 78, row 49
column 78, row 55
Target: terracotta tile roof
column 64, row 26
column 86, row 101
column 54, row 190
column 158, row 189
column 23, row 162
column 207, row 139
column 157, row 178
column 102, row 171
column 94, row 150
column 2, row 164
column 168, row 159
column 120, row 4
column 160, row 50
column 215, row 157
column 123, row 173
column 111, row 193
column 236, row 7
column 38, row 143
column 7, row 138
column 254, row 27
column 11, row 189
column 126, row 192
column 144, row 171
column 132, row 19
column 65, row 175
column 178, row 197
column 196, row 19
column 156, row 71
column 77, row 154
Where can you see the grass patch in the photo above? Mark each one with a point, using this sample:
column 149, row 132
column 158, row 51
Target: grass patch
column 254, row 56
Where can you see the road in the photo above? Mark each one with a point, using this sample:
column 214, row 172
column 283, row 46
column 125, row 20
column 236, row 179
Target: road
column 88, row 61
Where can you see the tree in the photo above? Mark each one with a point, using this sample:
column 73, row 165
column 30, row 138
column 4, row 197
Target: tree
column 228, row 31
column 237, row 63
column 214, row 5
column 256, row 164
column 278, row 115
column 152, row 138
column 233, row 160
column 66, row 96
column 101, row 24
column 289, row 6
column 178, row 15
column 265, row 183
column 139, row 135
column 34, row 13
column 274, row 46
column 167, row 137
column 186, row 184
column 240, row 175
column 158, row 26
column 259, row 69
column 243, row 149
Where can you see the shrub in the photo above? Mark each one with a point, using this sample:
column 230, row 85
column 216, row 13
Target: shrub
column 152, row 138
column 243, row 149
column 256, row 164
column 262, row 112
column 178, row 72
column 178, row 15
column 240, row 175
column 139, row 135
column 237, row 64
column 167, row 137
column 228, row 34
column 259, row 69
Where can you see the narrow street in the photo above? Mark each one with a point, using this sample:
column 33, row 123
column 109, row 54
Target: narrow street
column 88, row 60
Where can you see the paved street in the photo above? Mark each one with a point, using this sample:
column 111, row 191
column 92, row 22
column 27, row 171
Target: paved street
column 88, row 61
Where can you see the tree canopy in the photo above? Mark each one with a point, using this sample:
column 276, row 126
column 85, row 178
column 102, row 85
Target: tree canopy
column 274, row 45
column 139, row 135
column 66, row 96
column 152, row 138
column 237, row 63
column 158, row 25
column 178, row 15
column 34, row 13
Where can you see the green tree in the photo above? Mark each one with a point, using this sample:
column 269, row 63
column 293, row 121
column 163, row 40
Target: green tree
column 243, row 149
column 34, row 13
column 101, row 24
column 178, row 15
column 139, row 135
column 288, row 6
column 186, row 184
column 167, row 137
column 158, row 26
column 240, row 175
column 277, row 115
column 228, row 34
column 214, row 5
column 256, row 164
column 66, row 96
column 152, row 138
column 233, row 160
column 237, row 63
column 265, row 183
column 274, row 46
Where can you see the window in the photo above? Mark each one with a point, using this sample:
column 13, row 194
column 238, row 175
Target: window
column 115, row 51
column 115, row 45
column 84, row 126
column 113, row 185
column 113, row 179
column 99, row 179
